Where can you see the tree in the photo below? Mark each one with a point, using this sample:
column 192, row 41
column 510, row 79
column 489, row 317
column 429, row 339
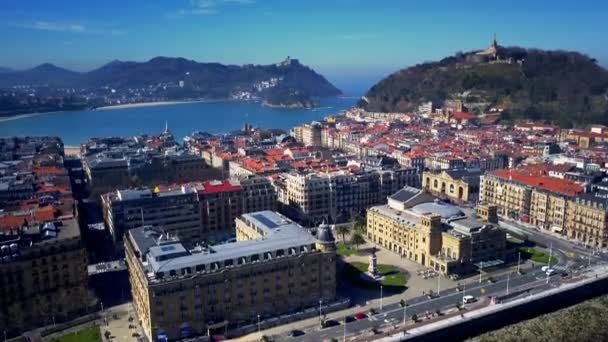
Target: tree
column 342, row 230
column 414, row 318
column 357, row 239
column 402, row 302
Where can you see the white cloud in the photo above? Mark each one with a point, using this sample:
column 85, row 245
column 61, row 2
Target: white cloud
column 43, row 25
column 205, row 7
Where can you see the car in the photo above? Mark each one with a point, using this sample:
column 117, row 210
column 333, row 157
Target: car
column 550, row 272
column 330, row 323
column 359, row 316
column 296, row 333
column 349, row 319
column 544, row 268
column 468, row 299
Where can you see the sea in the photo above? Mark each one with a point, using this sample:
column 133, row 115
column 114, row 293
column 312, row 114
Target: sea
column 75, row 127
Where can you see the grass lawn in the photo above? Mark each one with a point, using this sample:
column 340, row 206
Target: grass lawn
column 345, row 249
column 91, row 334
column 394, row 278
column 536, row 255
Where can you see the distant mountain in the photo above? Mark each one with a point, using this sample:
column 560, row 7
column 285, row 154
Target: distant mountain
column 566, row 88
column 5, row 70
column 180, row 78
column 43, row 75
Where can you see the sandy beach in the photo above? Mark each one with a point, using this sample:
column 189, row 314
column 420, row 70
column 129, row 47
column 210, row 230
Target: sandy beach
column 149, row 104
column 72, row 151
column 23, row 116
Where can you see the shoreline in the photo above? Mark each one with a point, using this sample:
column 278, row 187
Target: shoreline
column 153, row 104
column 26, row 115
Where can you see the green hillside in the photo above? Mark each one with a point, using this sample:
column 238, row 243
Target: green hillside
column 566, row 88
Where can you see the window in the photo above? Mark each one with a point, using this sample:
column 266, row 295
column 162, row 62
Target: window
column 200, row 268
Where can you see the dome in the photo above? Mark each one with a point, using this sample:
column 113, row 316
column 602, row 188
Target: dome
column 324, row 234
column 446, row 210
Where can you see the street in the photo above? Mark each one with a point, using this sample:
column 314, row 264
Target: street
column 393, row 314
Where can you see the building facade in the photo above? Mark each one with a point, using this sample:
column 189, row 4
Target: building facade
column 549, row 203
column 175, row 210
column 435, row 234
column 275, row 267
column 196, row 212
column 339, row 196
column 43, row 277
column 457, row 185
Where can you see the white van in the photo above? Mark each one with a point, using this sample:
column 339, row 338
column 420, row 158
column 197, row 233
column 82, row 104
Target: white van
column 468, row 299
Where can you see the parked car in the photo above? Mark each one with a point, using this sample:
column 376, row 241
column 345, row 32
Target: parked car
column 296, row 333
column 550, row 272
column 359, row 316
column 468, row 299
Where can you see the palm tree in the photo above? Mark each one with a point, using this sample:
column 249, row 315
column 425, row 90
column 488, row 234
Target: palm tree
column 342, row 230
column 357, row 239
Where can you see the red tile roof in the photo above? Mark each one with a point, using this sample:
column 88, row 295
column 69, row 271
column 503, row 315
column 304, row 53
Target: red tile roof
column 213, row 187
column 539, row 181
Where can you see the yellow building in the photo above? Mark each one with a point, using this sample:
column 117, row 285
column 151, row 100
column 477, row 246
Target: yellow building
column 43, row 277
column 587, row 220
column 275, row 267
column 457, row 185
column 436, row 234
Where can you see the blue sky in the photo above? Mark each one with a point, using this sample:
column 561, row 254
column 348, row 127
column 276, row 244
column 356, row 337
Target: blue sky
column 352, row 42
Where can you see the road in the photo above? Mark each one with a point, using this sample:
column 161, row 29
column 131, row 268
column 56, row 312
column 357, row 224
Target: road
column 391, row 315
column 567, row 247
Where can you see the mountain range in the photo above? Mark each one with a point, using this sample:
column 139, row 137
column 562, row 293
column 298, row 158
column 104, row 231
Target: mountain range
column 286, row 83
column 562, row 87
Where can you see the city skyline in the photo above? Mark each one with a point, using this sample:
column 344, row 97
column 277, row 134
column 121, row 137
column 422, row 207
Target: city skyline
column 350, row 42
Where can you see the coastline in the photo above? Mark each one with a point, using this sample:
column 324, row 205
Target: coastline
column 152, row 104
column 27, row 115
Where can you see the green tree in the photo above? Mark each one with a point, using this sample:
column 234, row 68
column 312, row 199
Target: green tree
column 357, row 239
column 342, row 230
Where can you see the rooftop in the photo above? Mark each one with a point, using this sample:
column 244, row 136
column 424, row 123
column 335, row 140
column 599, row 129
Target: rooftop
column 171, row 257
column 557, row 185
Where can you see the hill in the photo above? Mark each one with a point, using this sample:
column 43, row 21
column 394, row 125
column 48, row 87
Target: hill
column 566, row 88
column 288, row 83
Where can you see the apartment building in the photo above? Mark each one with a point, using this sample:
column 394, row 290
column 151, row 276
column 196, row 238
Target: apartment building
column 275, row 267
column 196, row 212
column 549, row 203
column 175, row 209
column 43, row 276
column 435, row 234
column 338, row 195
column 586, row 219
column 308, row 134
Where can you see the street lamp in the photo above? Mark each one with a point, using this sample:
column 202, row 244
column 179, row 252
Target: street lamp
column 480, row 270
column 508, row 278
column 344, row 328
column 320, row 316
column 404, row 311
column 518, row 260
column 380, row 297
column 259, row 324
column 438, row 284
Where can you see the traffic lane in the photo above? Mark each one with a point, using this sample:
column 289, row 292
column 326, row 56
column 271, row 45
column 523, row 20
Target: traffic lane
column 568, row 246
column 394, row 313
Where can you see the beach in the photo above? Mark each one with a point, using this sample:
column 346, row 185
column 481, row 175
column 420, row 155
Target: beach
column 23, row 116
column 150, row 104
column 71, row 151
